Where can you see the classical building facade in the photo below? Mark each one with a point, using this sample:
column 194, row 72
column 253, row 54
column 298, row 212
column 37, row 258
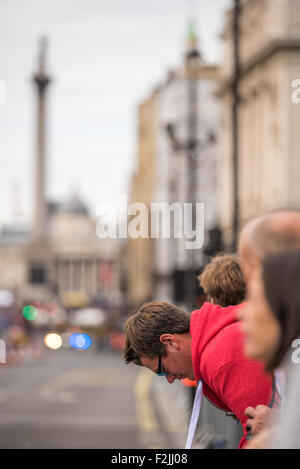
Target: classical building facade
column 268, row 154
column 70, row 265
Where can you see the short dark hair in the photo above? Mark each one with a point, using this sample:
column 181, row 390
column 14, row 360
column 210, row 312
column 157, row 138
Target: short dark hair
column 223, row 280
column 143, row 330
column 281, row 278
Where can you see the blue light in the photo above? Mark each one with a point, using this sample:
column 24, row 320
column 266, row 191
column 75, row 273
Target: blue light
column 80, row 341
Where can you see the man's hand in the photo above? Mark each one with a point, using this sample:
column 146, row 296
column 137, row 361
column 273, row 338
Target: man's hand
column 258, row 418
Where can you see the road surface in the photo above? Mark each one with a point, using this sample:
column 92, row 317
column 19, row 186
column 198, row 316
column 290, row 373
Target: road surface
column 80, row 399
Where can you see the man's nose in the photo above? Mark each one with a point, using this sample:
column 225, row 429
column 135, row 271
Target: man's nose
column 170, row 378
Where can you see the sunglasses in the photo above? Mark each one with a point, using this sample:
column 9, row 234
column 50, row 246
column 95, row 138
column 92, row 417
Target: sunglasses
column 159, row 373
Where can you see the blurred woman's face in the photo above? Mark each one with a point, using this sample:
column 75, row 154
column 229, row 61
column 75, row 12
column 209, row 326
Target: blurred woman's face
column 261, row 329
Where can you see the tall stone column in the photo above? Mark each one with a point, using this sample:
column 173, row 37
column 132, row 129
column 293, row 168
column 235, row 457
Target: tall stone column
column 41, row 81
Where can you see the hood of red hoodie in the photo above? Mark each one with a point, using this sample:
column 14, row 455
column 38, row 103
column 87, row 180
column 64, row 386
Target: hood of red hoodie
column 206, row 324
column 230, row 380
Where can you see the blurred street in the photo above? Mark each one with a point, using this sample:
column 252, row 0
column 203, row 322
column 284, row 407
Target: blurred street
column 130, row 164
column 80, row 399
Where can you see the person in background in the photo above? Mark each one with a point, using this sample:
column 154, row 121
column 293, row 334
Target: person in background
column 269, row 233
column 272, row 232
column 223, row 281
column 271, row 324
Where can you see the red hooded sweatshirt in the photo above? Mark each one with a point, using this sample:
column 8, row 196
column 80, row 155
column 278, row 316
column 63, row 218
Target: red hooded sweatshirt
column 230, row 380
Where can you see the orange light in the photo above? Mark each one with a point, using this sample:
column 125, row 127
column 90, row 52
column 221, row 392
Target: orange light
column 189, row 383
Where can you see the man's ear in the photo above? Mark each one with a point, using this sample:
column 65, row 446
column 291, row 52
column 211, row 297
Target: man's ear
column 167, row 340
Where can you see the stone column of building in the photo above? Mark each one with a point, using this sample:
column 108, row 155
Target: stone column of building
column 71, row 276
column 139, row 251
column 94, row 276
column 82, row 276
column 61, row 278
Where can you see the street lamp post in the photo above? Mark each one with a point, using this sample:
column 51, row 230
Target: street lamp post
column 191, row 147
column 235, row 122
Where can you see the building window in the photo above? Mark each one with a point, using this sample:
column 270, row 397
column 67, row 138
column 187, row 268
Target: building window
column 37, row 274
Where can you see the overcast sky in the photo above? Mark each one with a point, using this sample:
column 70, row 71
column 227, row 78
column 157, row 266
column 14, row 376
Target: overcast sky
column 104, row 56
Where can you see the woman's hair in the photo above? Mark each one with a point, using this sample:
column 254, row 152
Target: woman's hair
column 223, row 281
column 143, row 330
column 281, row 278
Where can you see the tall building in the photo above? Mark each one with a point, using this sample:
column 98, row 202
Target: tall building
column 176, row 183
column 268, row 120
column 140, row 250
column 178, row 157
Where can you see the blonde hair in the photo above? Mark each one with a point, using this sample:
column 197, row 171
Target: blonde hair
column 223, row 281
